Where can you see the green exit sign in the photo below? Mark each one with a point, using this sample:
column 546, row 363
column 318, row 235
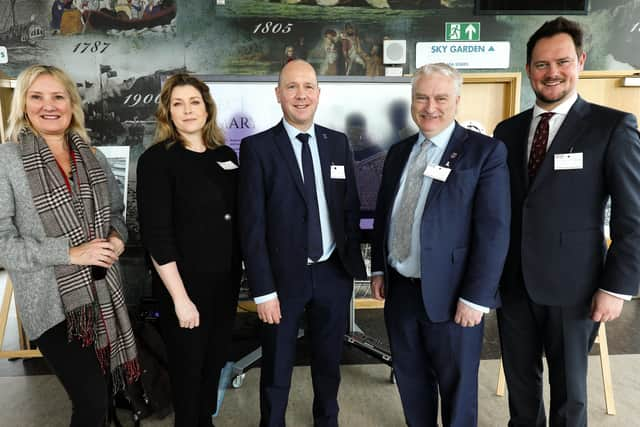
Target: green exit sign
column 462, row 32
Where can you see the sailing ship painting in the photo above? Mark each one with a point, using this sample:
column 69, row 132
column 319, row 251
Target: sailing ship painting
column 14, row 32
column 128, row 15
column 67, row 17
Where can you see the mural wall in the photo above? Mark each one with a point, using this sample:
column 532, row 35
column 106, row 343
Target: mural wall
column 118, row 50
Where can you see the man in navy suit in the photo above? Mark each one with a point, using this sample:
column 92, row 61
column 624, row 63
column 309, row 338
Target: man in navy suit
column 566, row 157
column 299, row 227
column 441, row 234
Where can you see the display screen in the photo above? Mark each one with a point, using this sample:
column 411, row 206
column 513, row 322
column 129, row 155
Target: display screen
column 374, row 113
column 532, row 7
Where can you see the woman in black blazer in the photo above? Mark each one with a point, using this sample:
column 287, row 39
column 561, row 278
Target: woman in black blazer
column 186, row 187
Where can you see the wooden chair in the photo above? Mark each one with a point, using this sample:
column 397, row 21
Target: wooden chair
column 601, row 339
column 25, row 350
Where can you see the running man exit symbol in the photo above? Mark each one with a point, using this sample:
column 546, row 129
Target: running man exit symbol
column 462, row 31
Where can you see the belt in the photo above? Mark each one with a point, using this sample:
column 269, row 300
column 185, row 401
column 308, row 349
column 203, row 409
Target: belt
column 395, row 276
column 333, row 257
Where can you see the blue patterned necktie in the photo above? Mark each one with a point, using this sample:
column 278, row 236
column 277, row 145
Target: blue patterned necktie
column 404, row 216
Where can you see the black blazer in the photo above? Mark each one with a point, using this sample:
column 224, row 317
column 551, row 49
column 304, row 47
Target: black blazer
column 273, row 210
column 557, row 237
column 187, row 208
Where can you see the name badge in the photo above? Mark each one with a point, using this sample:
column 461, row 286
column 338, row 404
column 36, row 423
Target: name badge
column 437, row 172
column 567, row 161
column 228, row 165
column 337, row 172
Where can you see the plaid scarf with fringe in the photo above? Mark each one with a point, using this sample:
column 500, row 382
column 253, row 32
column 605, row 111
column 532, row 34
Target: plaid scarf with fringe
column 95, row 310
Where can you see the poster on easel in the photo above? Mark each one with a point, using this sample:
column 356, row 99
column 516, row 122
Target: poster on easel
column 118, row 157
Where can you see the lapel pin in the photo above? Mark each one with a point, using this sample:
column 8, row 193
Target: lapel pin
column 451, row 157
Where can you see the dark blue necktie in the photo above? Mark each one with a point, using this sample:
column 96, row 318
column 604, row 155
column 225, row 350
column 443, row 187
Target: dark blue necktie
column 314, row 232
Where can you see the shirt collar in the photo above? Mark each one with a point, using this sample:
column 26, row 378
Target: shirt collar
column 563, row 108
column 441, row 140
column 293, row 132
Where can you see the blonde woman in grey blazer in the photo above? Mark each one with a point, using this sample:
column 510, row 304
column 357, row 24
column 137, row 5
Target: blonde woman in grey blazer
column 61, row 233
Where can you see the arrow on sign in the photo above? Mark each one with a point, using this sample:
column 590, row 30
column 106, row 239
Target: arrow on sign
column 470, row 30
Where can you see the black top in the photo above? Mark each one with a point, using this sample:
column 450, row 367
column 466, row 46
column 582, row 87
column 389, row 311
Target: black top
column 187, row 207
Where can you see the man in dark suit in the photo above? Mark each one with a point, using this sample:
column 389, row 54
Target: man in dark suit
column 299, row 226
column 441, row 234
column 566, row 157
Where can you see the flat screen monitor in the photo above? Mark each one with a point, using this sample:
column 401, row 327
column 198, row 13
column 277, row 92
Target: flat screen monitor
column 532, row 7
column 373, row 112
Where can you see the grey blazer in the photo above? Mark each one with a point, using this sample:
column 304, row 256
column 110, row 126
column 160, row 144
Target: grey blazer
column 26, row 251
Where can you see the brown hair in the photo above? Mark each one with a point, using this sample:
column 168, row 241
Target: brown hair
column 166, row 129
column 556, row 26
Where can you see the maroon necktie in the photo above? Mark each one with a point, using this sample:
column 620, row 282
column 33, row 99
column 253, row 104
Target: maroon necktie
column 539, row 144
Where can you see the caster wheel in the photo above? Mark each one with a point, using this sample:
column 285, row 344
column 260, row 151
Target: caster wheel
column 237, row 381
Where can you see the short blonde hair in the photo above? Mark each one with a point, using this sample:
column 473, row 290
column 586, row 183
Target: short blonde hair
column 18, row 119
column 166, row 129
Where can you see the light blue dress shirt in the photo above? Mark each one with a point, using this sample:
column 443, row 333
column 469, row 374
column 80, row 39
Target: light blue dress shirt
column 410, row 267
column 328, row 240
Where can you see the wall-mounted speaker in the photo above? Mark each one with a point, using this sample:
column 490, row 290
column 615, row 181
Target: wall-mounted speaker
column 394, row 51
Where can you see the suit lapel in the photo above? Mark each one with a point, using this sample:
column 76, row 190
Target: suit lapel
column 571, row 130
column 450, row 158
column 324, row 149
column 521, row 154
column 399, row 163
column 286, row 151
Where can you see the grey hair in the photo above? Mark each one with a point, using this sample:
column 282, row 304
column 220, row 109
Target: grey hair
column 438, row 68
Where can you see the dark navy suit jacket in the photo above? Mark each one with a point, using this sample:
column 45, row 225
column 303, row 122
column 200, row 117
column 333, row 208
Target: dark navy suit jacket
column 465, row 225
column 557, row 240
column 273, row 212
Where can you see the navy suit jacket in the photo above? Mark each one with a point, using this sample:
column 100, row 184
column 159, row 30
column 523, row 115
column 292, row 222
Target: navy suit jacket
column 273, row 212
column 557, row 239
column 464, row 233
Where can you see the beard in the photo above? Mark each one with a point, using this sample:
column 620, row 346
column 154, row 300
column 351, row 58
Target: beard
column 551, row 100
